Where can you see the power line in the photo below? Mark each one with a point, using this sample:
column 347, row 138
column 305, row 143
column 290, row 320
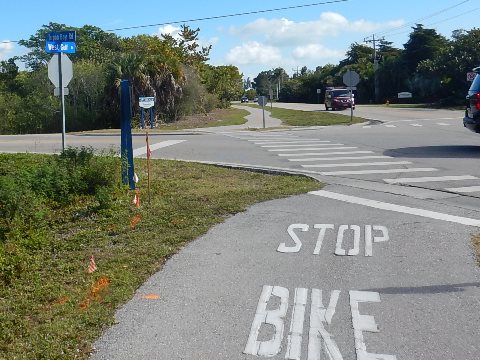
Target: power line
column 217, row 17
column 231, row 15
column 423, row 18
column 437, row 22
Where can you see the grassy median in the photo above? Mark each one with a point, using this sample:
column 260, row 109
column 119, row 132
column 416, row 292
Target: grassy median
column 310, row 118
column 59, row 211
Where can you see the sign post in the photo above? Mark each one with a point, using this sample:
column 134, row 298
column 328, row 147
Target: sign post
column 262, row 100
column 146, row 103
column 60, row 67
column 351, row 79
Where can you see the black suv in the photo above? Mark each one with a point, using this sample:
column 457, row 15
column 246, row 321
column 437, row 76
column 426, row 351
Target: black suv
column 472, row 112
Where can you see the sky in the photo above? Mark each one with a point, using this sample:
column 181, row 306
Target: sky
column 309, row 33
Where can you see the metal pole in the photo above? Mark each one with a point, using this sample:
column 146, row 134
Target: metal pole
column 62, row 97
column 263, row 110
column 351, row 106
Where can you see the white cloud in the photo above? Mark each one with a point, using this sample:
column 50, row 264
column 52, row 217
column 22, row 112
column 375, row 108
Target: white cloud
column 5, row 49
column 168, row 30
column 284, row 32
column 316, row 52
column 175, row 31
column 253, row 52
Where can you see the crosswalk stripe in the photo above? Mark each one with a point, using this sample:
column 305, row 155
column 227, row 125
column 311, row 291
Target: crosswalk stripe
column 380, row 163
column 331, row 153
column 343, row 158
column 417, row 125
column 466, row 189
column 430, row 179
column 286, row 141
column 390, row 126
column 386, row 171
column 314, row 148
column 298, row 145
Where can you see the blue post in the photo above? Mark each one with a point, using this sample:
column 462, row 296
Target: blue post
column 142, row 118
column 126, row 136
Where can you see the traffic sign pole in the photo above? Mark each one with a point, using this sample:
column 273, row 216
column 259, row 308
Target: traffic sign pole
column 60, row 43
column 62, row 97
column 351, row 79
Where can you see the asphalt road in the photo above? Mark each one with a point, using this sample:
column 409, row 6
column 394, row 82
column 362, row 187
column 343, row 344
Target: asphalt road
column 376, row 265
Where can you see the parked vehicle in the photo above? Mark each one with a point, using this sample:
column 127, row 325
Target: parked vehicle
column 472, row 111
column 244, row 99
column 338, row 98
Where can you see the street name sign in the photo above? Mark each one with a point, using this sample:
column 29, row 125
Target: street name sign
column 61, row 42
column 62, row 36
column 60, row 47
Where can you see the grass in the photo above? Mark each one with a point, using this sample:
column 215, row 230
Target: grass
column 310, row 118
column 218, row 117
column 51, row 308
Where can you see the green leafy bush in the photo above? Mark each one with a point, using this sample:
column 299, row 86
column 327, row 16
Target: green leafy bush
column 30, row 192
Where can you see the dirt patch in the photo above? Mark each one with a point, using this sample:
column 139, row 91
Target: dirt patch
column 200, row 120
column 476, row 245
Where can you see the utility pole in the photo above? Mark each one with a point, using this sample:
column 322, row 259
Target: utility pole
column 296, row 71
column 375, row 64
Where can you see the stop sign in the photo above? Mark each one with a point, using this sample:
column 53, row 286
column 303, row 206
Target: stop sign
column 53, row 72
column 351, row 78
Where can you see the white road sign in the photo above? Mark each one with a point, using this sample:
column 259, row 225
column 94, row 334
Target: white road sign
column 146, row 102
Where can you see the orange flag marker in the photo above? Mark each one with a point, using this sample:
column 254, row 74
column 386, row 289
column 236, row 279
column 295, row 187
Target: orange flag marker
column 91, row 265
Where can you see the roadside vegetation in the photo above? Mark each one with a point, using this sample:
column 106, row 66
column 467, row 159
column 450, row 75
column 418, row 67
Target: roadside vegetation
column 58, row 211
column 173, row 69
column 309, row 118
column 430, row 66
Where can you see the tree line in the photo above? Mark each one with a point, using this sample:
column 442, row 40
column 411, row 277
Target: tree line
column 173, row 69
column 430, row 66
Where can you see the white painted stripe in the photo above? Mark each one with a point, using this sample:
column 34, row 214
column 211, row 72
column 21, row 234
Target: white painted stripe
column 314, row 149
column 285, row 140
column 429, row 179
column 156, row 146
column 343, row 158
column 366, row 127
column 312, row 154
column 298, row 145
column 366, row 172
column 294, row 344
column 417, row 125
column 290, row 142
column 396, row 208
column 269, row 139
column 433, row 119
column 466, row 189
column 443, row 124
column 379, row 163
column 330, row 153
column 390, row 126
